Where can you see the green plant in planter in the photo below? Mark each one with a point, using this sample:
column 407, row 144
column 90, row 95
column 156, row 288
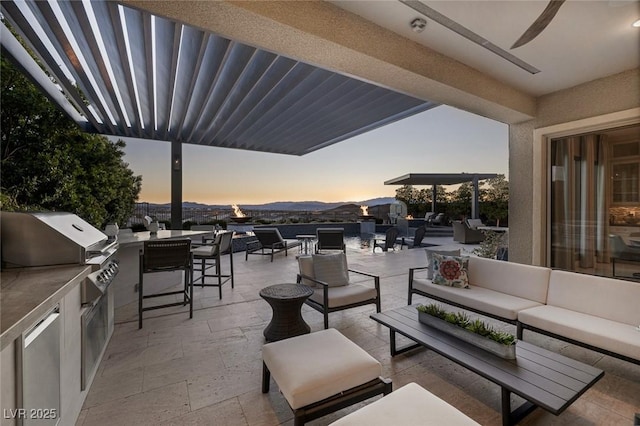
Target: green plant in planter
column 462, row 320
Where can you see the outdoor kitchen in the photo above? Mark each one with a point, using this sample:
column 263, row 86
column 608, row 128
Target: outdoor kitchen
column 57, row 313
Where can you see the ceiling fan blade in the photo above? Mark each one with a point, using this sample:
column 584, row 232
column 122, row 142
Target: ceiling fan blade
column 540, row 24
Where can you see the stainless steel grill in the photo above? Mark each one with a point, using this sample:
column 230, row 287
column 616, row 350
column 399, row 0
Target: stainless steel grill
column 57, row 238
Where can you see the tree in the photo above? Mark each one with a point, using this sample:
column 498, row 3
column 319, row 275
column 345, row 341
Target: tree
column 495, row 199
column 48, row 163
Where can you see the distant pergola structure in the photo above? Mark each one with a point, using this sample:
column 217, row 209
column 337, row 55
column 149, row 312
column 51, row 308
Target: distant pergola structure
column 435, row 179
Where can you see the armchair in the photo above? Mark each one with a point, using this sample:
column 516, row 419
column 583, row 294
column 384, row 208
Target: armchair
column 389, row 241
column 465, row 235
column 328, row 276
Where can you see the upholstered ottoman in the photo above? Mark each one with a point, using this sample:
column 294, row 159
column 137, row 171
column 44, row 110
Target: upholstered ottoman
column 320, row 373
column 410, row 405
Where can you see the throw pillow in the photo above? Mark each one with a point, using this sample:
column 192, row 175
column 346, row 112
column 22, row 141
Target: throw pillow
column 430, row 253
column 450, row 270
column 331, row 269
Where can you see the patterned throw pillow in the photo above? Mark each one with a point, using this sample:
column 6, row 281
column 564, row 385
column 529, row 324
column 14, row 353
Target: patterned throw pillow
column 451, row 270
column 430, row 252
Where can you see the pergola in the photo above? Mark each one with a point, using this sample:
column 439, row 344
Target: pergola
column 124, row 72
column 436, row 179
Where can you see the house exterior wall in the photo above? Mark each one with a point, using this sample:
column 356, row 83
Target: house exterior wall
column 527, row 191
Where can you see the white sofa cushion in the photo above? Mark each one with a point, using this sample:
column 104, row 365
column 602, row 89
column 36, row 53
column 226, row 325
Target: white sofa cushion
column 478, row 298
column 312, row 367
column 525, row 281
column 609, row 298
column 345, row 295
column 603, row 333
column 410, row 405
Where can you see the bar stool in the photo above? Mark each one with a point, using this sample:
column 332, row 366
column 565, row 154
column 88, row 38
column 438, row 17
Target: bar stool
column 166, row 256
column 209, row 255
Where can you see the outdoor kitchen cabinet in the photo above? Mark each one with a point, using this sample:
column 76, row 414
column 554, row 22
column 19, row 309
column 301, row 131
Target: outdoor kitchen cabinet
column 67, row 296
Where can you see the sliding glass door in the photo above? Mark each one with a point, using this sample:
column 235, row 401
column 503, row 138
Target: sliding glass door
column 595, row 200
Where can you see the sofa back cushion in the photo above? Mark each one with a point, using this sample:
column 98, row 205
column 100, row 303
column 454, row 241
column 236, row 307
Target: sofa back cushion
column 526, row 281
column 609, row 298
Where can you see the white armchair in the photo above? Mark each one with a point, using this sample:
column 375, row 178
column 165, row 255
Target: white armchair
column 328, row 276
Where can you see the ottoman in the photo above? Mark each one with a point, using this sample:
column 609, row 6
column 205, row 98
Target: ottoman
column 320, row 373
column 410, row 405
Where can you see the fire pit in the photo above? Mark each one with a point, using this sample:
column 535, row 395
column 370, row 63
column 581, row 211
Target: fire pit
column 238, row 216
column 365, row 214
column 240, row 219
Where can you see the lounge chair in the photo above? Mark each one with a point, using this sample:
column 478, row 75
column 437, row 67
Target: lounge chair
column 328, row 276
column 269, row 239
column 330, row 239
column 465, row 235
column 389, row 241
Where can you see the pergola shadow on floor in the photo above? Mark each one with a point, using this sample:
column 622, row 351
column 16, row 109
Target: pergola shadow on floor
column 207, row 370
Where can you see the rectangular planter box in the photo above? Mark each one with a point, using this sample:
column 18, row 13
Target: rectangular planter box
column 503, row 351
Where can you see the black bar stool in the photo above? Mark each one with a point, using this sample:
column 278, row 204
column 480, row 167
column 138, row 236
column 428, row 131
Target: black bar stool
column 208, row 256
column 166, row 256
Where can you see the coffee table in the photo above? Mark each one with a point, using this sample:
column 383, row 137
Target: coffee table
column 545, row 379
column 286, row 301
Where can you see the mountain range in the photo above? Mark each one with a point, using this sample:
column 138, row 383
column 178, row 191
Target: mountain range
column 284, row 205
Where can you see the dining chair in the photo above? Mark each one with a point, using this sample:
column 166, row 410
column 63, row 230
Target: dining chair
column 166, row 256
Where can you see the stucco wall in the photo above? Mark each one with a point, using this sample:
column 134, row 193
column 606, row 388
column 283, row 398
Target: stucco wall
column 611, row 94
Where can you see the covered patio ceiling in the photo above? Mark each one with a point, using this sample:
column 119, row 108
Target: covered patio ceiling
column 127, row 73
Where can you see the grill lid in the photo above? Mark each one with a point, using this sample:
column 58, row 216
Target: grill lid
column 48, row 238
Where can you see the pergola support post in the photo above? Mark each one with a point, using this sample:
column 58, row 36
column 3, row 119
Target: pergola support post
column 176, row 185
column 475, row 202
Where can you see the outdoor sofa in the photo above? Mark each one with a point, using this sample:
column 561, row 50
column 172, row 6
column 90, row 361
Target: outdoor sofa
column 595, row 312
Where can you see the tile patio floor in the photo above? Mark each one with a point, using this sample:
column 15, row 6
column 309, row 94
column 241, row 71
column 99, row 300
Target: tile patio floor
column 207, row 370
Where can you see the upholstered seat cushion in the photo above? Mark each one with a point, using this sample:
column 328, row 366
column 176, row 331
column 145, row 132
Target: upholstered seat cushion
column 312, row 367
column 492, row 302
column 345, row 295
column 409, row 405
column 603, row 333
column 205, row 251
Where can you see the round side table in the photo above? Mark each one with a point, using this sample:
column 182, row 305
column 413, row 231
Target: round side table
column 286, row 301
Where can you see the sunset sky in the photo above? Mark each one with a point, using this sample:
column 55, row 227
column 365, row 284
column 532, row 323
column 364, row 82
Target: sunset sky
column 441, row 140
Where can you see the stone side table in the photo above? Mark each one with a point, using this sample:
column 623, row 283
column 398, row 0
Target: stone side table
column 286, row 301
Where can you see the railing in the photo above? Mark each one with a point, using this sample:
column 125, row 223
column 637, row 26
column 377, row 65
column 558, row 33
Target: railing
column 204, row 216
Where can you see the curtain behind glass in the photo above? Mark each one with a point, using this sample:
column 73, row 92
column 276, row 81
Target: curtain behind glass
column 579, row 219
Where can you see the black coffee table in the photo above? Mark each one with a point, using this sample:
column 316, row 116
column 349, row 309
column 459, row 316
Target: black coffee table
column 544, row 378
column 286, row 301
